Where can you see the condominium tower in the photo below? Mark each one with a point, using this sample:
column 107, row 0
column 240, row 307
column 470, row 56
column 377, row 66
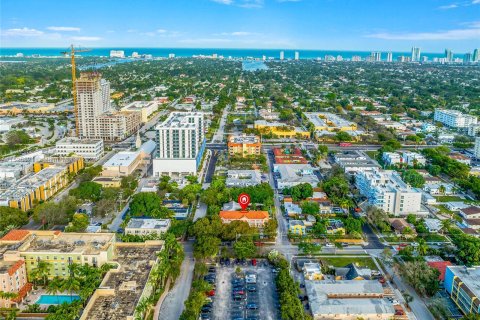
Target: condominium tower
column 454, row 119
column 180, row 144
column 415, row 54
column 96, row 120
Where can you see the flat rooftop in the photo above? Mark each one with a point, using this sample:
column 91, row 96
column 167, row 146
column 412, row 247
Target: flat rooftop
column 127, row 283
column 122, row 159
column 352, row 297
column 148, row 223
column 469, row 276
column 73, row 141
column 179, row 120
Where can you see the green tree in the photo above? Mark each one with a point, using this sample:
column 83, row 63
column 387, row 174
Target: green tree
column 129, row 182
column 206, row 246
column 12, row 217
column 413, row 178
column 144, row 203
column 244, row 248
column 343, row 136
column 87, row 190
column 310, row 207
column 79, row 223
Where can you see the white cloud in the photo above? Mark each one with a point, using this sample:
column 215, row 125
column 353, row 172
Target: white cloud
column 237, row 33
column 455, row 34
column 476, row 2
column 22, row 32
column 227, row 2
column 448, row 6
column 162, row 31
column 242, row 3
column 86, row 38
column 63, row 28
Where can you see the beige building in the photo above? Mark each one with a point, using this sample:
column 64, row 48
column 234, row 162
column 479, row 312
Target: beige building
column 96, row 119
column 125, row 163
column 13, row 279
column 145, row 108
column 244, row 145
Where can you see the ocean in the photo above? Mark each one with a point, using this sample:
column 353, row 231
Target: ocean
column 227, row 53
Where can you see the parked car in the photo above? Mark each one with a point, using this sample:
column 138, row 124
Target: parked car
column 252, row 306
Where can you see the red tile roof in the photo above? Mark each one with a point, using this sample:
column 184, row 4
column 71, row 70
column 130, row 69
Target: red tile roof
column 15, row 267
column 237, row 215
column 440, row 266
column 15, row 235
column 23, row 292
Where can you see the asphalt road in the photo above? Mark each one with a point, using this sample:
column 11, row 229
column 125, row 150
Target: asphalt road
column 211, row 167
column 372, row 239
column 173, row 305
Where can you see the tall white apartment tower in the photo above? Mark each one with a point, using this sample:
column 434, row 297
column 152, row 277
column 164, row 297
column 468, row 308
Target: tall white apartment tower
column 448, row 55
column 282, row 55
column 415, row 54
column 389, row 57
column 91, row 100
column 297, row 55
column 376, row 56
column 180, row 143
column 476, row 55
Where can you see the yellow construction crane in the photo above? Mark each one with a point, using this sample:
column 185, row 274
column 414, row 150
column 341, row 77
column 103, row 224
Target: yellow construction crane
column 72, row 52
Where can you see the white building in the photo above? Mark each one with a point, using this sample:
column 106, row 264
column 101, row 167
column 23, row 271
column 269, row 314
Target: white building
column 145, row 108
column 89, row 149
column 415, row 54
column 386, row 190
column 389, row 57
column 297, row 55
column 142, row 227
column 391, row 158
column 117, row 54
column 243, row 178
column 295, row 174
column 454, row 119
column 433, row 225
column 476, row 151
column 180, row 144
column 413, row 158
column 7, row 124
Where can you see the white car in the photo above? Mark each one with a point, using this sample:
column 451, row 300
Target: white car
column 329, row 245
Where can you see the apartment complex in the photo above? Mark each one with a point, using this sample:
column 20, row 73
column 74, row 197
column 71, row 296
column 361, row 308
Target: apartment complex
column 13, row 279
column 280, row 130
column 47, row 178
column 325, row 121
column 180, row 144
column 96, row 120
column 145, row 108
column 463, row 285
column 142, row 227
column 243, row 178
column 454, row 119
column 89, row 149
column 244, row 145
column 386, row 190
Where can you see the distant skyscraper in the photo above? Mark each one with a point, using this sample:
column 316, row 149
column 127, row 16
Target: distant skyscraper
column 297, row 55
column 339, row 58
column 467, row 58
column 448, row 55
column 264, row 57
column 282, row 55
column 415, row 54
column 476, row 56
column 356, row 58
column 401, row 58
column 389, row 57
column 424, row 59
column 376, row 56
column 171, row 55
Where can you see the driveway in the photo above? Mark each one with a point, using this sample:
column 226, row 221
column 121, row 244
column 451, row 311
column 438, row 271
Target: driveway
column 173, row 305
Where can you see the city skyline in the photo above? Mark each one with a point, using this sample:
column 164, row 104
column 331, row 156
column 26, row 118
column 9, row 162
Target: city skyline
column 264, row 24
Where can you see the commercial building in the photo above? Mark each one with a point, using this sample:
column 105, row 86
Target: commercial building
column 386, row 190
column 348, row 300
column 354, row 161
column 454, row 119
column 253, row 218
column 325, row 121
column 463, row 285
column 290, row 175
column 142, row 227
column 47, row 178
column 415, row 54
column 145, row 108
column 280, row 130
column 244, row 145
column 125, row 163
column 288, row 156
column 243, row 178
column 180, row 144
column 95, row 116
column 89, row 149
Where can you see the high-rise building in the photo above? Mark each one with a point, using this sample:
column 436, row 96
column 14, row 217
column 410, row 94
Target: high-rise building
column 282, row 55
column 467, row 58
column 389, row 57
column 264, row 57
column 117, row 54
column 376, row 56
column 339, row 58
column 448, row 55
column 356, row 58
column 454, row 119
column 461, row 283
column 424, row 59
column 180, row 144
column 297, row 55
column 476, row 55
column 95, row 117
column 415, row 54
column 171, row 55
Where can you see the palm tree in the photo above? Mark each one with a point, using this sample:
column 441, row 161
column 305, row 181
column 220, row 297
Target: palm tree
column 8, row 295
column 42, row 271
column 55, row 287
column 442, row 189
column 71, row 284
column 422, row 247
column 446, row 224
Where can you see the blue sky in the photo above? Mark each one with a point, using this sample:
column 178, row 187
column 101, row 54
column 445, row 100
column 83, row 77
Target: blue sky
column 394, row 25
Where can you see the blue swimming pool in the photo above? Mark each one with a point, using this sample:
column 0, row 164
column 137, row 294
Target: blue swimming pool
column 56, row 299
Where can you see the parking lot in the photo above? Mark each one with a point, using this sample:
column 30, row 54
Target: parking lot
column 249, row 294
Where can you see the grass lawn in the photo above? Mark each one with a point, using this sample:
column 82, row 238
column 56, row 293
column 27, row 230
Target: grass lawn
column 444, row 210
column 343, row 261
column 435, row 238
column 449, row 199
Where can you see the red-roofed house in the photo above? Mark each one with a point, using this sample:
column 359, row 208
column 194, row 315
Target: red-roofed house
column 253, row 218
column 440, row 266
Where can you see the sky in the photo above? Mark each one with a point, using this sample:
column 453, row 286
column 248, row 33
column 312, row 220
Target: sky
column 395, row 25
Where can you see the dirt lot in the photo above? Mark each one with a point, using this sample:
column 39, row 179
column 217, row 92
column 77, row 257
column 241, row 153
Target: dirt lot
column 225, row 308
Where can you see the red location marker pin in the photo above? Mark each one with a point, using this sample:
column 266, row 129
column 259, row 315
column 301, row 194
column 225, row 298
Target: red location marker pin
column 244, row 201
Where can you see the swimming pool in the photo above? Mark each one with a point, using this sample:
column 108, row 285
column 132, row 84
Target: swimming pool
column 56, row 299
